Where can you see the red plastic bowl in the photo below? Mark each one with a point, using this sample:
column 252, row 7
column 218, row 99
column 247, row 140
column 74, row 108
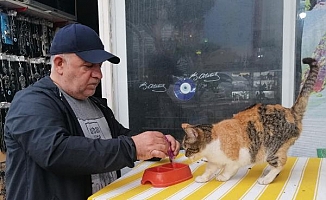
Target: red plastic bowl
column 167, row 174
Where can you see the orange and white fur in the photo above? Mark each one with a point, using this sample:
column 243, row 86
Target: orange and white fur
column 261, row 133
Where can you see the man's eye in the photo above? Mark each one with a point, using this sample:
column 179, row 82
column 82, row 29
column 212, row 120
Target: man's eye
column 88, row 66
column 91, row 65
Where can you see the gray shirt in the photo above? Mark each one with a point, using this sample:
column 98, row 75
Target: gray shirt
column 94, row 126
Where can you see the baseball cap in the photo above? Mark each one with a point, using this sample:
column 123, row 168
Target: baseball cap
column 83, row 41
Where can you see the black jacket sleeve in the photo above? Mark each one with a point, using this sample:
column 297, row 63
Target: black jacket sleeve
column 37, row 124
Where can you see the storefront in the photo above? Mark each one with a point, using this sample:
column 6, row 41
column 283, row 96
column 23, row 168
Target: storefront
column 194, row 61
column 184, row 61
column 203, row 61
column 190, row 61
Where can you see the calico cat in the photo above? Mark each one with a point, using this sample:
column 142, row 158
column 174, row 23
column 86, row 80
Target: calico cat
column 260, row 133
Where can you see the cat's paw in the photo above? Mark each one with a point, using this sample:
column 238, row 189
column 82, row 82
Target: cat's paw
column 222, row 178
column 201, row 179
column 264, row 181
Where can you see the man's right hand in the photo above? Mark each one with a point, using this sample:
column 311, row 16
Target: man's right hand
column 151, row 144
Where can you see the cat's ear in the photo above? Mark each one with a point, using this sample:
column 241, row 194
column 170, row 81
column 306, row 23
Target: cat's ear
column 191, row 132
column 185, row 125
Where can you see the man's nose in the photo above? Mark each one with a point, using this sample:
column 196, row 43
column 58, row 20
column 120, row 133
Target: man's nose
column 97, row 72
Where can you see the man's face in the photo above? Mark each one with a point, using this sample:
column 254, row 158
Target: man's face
column 79, row 78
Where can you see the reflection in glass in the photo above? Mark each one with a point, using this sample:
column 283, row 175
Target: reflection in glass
column 228, row 53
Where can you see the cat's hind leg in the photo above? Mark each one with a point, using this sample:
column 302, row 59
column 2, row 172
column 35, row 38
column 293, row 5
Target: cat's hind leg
column 211, row 168
column 228, row 171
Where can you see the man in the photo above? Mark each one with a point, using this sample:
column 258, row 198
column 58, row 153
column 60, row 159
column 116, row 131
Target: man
column 63, row 143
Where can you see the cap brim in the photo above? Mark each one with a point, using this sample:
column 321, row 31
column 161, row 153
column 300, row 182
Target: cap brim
column 98, row 56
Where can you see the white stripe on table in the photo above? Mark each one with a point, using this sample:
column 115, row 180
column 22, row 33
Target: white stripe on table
column 321, row 192
column 291, row 188
column 230, row 184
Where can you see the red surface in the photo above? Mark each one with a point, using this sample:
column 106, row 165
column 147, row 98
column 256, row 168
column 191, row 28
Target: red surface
column 166, row 174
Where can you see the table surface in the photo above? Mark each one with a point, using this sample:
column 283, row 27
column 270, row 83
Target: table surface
column 301, row 178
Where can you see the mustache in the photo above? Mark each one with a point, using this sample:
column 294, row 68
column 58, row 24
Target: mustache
column 94, row 83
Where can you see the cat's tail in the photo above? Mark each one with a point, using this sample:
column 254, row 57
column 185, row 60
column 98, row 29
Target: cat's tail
column 300, row 105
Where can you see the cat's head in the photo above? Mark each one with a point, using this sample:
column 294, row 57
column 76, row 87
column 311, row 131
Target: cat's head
column 195, row 139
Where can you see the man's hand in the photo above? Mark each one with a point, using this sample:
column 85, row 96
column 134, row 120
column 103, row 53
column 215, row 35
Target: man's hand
column 175, row 145
column 151, row 144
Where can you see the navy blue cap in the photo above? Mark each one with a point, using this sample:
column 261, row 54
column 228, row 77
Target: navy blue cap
column 83, row 41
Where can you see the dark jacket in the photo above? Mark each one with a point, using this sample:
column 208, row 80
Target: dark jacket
column 48, row 156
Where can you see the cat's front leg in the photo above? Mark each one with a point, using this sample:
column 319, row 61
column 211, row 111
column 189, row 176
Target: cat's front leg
column 208, row 174
column 228, row 171
column 270, row 176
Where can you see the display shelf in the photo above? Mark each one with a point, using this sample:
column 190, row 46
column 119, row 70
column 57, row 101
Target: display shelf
column 33, row 11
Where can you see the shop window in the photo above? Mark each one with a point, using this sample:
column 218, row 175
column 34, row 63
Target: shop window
column 200, row 61
column 311, row 41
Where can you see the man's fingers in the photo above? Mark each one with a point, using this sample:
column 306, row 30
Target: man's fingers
column 158, row 154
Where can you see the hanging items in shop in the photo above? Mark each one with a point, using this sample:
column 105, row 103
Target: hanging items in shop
column 6, row 36
column 26, row 36
column 24, row 59
column 24, row 56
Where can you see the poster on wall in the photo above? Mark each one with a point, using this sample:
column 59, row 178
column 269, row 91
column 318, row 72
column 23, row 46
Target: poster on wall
column 314, row 45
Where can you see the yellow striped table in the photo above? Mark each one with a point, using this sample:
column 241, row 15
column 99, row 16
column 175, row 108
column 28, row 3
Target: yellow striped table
column 302, row 178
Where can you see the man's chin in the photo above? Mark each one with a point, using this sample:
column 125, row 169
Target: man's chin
column 89, row 92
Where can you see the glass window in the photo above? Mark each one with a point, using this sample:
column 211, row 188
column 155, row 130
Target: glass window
column 200, row 61
column 311, row 42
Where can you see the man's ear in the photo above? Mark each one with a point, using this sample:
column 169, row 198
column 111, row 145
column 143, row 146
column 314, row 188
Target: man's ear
column 58, row 62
